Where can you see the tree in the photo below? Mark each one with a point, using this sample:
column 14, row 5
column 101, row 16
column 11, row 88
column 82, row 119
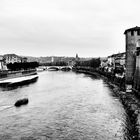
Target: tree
column 19, row 66
column 94, row 63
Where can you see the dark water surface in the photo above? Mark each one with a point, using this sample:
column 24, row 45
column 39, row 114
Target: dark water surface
column 62, row 106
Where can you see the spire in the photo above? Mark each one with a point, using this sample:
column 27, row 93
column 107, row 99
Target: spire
column 52, row 59
column 77, row 56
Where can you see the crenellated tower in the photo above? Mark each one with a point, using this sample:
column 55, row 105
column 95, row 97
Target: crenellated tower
column 132, row 44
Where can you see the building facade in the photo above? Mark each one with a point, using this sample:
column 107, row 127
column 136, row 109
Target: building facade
column 104, row 62
column 110, row 60
column 12, row 58
column 2, row 63
column 24, row 59
column 116, row 61
column 136, row 84
column 119, row 59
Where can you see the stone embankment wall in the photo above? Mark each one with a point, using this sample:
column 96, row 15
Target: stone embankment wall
column 13, row 74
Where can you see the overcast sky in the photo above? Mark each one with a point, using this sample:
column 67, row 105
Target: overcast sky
column 90, row 28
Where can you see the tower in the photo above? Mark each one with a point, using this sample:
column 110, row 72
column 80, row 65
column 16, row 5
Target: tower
column 132, row 37
column 52, row 59
column 77, row 58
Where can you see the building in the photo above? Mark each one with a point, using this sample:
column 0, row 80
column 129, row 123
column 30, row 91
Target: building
column 116, row 60
column 2, row 63
column 77, row 57
column 71, row 62
column 104, row 62
column 24, row 59
column 12, row 58
column 119, row 59
column 132, row 37
column 111, row 61
column 136, row 84
column 52, row 59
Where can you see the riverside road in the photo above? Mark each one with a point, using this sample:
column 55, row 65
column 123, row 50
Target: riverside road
column 64, row 106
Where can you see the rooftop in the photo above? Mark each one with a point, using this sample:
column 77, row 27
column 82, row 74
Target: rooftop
column 1, row 57
column 10, row 54
column 118, row 54
column 132, row 29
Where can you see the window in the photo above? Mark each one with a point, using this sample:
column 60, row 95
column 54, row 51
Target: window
column 138, row 43
column 138, row 32
column 132, row 33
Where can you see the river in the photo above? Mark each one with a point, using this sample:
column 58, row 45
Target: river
column 62, row 106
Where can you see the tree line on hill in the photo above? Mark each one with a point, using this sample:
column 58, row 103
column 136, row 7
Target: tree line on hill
column 59, row 63
column 94, row 63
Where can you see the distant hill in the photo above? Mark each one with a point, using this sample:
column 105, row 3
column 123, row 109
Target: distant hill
column 48, row 59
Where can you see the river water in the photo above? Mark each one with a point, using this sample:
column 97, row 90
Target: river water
column 62, row 106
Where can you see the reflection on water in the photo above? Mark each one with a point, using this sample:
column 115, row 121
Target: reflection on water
column 65, row 106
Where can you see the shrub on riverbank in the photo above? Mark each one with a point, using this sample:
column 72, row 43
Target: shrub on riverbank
column 20, row 66
column 93, row 63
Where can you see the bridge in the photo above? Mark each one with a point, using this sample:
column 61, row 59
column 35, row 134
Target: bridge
column 41, row 68
column 59, row 67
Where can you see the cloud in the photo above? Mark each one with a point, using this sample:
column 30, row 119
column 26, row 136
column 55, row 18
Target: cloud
column 42, row 27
